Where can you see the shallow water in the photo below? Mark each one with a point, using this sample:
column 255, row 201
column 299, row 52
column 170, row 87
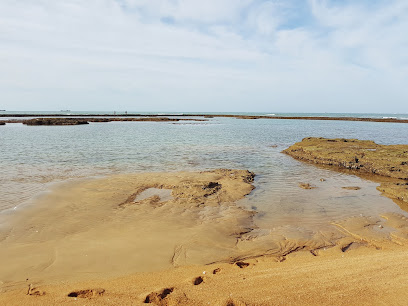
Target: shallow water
column 33, row 157
column 163, row 194
column 113, row 226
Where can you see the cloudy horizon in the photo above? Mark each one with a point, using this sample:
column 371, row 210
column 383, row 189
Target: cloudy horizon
column 204, row 56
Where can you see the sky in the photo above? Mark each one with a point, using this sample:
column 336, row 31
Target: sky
column 204, row 56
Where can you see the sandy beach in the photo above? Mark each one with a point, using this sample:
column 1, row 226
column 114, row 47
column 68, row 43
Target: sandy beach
column 114, row 225
column 356, row 277
column 193, row 245
column 179, row 238
column 220, row 152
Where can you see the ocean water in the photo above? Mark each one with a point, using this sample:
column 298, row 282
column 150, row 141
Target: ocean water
column 33, row 158
column 79, row 113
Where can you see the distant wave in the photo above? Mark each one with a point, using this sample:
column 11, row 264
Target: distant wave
column 389, row 117
column 270, row 115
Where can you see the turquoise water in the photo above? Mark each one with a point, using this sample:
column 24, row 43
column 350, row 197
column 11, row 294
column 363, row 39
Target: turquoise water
column 33, row 157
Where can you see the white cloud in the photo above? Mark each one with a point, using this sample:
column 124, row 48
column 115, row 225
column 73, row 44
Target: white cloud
column 204, row 55
column 210, row 11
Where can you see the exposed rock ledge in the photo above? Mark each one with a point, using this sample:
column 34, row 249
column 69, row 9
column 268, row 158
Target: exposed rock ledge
column 78, row 121
column 364, row 156
column 55, row 121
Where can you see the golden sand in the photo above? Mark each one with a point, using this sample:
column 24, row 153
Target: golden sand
column 94, row 228
column 127, row 240
column 362, row 276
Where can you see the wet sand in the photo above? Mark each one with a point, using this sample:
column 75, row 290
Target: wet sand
column 127, row 239
column 336, row 276
column 88, row 229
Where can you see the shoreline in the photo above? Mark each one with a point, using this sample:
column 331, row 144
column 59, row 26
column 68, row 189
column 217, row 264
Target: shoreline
column 124, row 117
column 110, row 212
column 238, row 242
column 91, row 241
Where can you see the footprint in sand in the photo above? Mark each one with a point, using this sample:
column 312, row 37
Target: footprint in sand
column 242, row 264
column 198, row 280
column 231, row 302
column 158, row 297
column 87, row 293
column 34, row 291
column 351, row 246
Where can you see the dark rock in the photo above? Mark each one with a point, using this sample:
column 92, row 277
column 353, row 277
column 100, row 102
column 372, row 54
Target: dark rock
column 55, row 121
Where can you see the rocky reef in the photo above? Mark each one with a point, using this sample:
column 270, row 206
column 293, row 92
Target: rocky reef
column 362, row 156
column 2, row 123
column 55, row 121
column 131, row 119
column 78, row 121
column 167, row 117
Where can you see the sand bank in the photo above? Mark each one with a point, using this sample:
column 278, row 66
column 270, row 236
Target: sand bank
column 85, row 229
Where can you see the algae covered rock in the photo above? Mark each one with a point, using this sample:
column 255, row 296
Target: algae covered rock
column 55, row 121
column 363, row 156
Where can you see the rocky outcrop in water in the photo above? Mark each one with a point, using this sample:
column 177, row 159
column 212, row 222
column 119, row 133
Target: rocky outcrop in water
column 2, row 123
column 55, row 121
column 78, row 121
column 363, row 156
column 168, row 116
column 160, row 119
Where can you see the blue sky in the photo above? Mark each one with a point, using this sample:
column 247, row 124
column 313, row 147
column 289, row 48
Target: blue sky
column 214, row 55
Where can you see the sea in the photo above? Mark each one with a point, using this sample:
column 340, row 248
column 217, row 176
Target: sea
column 35, row 158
